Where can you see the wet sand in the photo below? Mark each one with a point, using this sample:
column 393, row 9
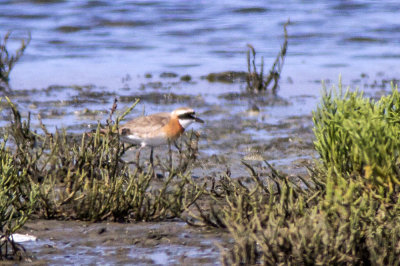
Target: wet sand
column 74, row 242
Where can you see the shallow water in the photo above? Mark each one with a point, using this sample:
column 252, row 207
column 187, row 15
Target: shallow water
column 113, row 44
column 85, row 53
column 99, row 42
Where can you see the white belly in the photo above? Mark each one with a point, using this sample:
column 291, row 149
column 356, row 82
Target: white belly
column 153, row 141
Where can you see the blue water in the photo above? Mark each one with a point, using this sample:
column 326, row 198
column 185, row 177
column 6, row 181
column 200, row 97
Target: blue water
column 99, row 42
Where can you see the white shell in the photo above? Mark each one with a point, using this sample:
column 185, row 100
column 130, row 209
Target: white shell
column 23, row 238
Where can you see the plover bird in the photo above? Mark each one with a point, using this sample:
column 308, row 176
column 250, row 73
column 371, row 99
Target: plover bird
column 157, row 129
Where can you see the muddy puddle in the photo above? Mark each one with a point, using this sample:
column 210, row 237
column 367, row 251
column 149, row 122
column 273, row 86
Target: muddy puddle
column 72, row 242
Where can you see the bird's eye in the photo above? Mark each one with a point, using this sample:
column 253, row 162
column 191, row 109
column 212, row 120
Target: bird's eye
column 187, row 116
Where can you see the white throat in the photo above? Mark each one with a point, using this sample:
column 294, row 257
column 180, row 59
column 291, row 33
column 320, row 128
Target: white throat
column 185, row 122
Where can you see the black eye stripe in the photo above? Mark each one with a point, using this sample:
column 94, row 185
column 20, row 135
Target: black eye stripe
column 187, row 115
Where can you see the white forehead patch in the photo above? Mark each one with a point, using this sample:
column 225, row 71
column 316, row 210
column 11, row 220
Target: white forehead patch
column 182, row 111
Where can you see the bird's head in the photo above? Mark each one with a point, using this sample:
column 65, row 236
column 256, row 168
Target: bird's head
column 186, row 116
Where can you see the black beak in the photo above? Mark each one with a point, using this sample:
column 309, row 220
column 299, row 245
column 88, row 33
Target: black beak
column 196, row 119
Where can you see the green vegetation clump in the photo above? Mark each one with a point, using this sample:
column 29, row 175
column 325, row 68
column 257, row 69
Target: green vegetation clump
column 17, row 201
column 18, row 198
column 327, row 223
column 339, row 215
column 59, row 176
column 85, row 177
column 359, row 138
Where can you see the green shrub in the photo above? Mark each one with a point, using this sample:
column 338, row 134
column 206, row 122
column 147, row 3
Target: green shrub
column 85, row 177
column 18, row 199
column 278, row 220
column 357, row 136
column 346, row 212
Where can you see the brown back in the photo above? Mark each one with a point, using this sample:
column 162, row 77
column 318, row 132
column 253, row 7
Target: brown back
column 145, row 125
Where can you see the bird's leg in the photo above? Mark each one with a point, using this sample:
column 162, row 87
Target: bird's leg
column 151, row 156
column 138, row 158
column 170, row 155
column 152, row 162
